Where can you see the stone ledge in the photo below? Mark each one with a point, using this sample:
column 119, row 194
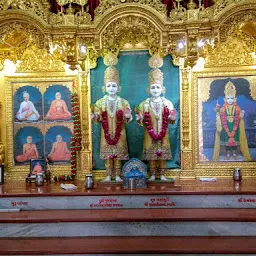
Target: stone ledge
column 153, row 245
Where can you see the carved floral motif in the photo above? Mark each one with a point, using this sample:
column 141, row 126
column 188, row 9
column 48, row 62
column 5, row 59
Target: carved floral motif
column 130, row 29
column 108, row 4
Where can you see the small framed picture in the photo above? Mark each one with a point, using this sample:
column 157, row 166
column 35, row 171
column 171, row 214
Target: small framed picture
column 1, row 174
column 37, row 166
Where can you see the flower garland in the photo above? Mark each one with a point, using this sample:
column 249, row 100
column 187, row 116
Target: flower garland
column 119, row 117
column 75, row 140
column 149, row 127
column 231, row 135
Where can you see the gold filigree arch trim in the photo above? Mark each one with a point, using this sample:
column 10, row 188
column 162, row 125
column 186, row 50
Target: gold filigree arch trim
column 236, row 51
column 132, row 30
column 36, row 7
column 235, row 19
column 33, row 30
column 153, row 5
column 39, row 60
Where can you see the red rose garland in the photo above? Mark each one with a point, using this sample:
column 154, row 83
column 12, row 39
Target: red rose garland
column 231, row 135
column 119, row 117
column 150, row 129
column 76, row 138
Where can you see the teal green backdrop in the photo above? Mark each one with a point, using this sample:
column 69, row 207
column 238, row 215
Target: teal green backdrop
column 133, row 71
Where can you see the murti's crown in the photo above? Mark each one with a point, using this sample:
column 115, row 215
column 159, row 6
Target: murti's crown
column 230, row 89
column 155, row 75
column 111, row 74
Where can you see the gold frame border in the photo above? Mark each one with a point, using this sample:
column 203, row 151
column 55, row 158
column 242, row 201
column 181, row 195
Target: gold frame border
column 216, row 169
column 19, row 172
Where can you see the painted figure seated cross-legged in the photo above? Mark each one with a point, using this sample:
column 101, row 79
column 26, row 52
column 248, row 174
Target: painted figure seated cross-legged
column 155, row 113
column 58, row 109
column 37, row 168
column 29, row 151
column 113, row 112
column 59, row 150
column 27, row 110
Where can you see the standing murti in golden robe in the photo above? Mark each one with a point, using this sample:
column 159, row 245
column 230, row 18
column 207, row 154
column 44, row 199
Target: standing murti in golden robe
column 155, row 113
column 113, row 112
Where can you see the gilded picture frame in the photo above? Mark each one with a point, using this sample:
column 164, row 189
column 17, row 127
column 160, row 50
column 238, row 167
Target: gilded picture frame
column 223, row 132
column 38, row 126
column 37, row 166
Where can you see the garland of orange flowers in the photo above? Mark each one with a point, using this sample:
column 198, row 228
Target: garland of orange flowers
column 231, row 135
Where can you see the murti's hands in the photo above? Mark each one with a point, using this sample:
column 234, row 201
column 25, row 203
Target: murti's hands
column 139, row 117
column 94, row 117
column 242, row 114
column 172, row 115
column 127, row 113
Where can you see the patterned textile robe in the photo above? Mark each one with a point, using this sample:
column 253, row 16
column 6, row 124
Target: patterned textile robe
column 120, row 150
column 151, row 146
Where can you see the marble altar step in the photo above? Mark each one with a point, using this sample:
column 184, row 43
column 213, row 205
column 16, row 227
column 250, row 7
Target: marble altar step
column 128, row 245
column 130, row 215
column 178, row 195
column 129, row 223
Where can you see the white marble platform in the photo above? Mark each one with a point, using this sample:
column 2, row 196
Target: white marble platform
column 128, row 202
column 86, row 229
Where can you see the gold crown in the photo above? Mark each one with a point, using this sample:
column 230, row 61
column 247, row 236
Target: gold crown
column 230, row 89
column 155, row 61
column 156, row 76
column 111, row 75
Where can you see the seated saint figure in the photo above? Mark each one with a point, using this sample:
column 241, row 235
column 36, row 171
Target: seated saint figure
column 58, row 109
column 37, row 168
column 59, row 150
column 113, row 112
column 27, row 110
column 230, row 131
column 155, row 113
column 29, row 151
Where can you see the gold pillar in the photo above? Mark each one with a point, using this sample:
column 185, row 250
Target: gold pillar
column 2, row 158
column 186, row 151
column 84, row 163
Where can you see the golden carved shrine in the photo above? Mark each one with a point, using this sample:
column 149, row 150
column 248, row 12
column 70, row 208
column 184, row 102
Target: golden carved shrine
column 56, row 59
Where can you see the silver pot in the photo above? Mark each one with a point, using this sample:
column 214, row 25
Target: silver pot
column 132, row 183
column 237, row 176
column 39, row 179
column 88, row 181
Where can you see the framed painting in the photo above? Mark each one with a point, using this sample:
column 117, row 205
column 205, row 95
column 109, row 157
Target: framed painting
column 39, row 122
column 37, row 166
column 224, row 122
